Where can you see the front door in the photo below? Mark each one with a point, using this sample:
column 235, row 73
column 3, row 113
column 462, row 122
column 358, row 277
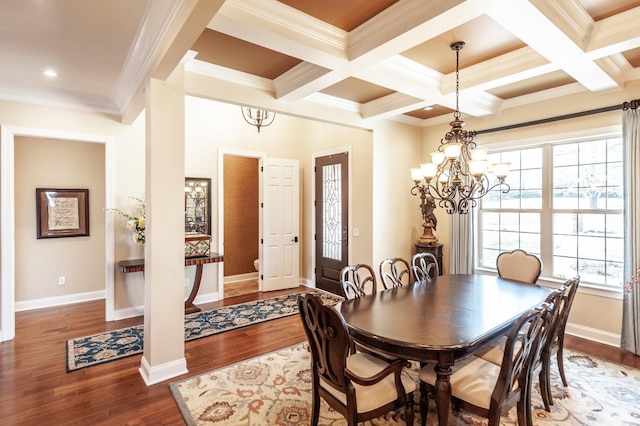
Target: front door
column 280, row 267
column 332, row 220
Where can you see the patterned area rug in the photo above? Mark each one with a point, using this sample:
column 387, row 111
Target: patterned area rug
column 275, row 389
column 103, row 347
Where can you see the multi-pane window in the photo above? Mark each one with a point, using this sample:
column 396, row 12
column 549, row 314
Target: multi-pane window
column 565, row 205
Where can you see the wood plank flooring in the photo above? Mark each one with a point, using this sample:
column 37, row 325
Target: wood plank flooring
column 35, row 388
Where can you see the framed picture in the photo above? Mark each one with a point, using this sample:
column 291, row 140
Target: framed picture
column 62, row 212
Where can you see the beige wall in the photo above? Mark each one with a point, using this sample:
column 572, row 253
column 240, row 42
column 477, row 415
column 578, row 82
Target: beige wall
column 396, row 213
column 46, row 163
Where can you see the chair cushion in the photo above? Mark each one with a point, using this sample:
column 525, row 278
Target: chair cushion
column 370, row 397
column 473, row 380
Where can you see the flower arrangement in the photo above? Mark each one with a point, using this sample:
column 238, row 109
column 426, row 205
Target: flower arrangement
column 635, row 281
column 135, row 223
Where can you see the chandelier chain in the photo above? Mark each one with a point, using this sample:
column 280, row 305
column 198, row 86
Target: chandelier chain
column 456, row 114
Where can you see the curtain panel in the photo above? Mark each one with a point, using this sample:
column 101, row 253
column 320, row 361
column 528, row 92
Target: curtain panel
column 630, row 339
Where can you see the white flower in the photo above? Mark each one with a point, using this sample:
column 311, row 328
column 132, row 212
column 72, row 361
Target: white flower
column 135, row 223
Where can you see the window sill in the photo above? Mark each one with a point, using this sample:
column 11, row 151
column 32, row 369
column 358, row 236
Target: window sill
column 585, row 288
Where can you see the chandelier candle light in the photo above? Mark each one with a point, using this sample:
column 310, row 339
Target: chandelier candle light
column 457, row 174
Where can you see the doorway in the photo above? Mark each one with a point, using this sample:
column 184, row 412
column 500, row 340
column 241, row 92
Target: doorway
column 241, row 224
column 331, row 220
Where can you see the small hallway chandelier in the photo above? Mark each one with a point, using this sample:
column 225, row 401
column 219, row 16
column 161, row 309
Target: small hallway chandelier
column 456, row 177
column 258, row 117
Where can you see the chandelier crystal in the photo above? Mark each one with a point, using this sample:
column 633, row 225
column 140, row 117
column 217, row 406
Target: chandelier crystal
column 457, row 177
column 258, row 117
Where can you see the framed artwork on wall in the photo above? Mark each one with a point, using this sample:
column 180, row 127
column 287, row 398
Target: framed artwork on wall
column 62, row 212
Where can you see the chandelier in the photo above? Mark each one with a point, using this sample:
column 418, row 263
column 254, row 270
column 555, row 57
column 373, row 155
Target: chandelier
column 258, row 117
column 457, row 175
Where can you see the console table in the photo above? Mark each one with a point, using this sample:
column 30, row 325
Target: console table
column 137, row 265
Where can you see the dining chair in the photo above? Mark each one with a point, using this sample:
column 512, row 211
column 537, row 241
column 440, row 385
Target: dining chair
column 489, row 390
column 425, row 266
column 395, row 272
column 495, row 352
column 519, row 265
column 556, row 347
column 358, row 385
column 358, row 280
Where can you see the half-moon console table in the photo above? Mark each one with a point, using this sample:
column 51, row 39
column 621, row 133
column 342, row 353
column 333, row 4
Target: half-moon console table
column 137, row 265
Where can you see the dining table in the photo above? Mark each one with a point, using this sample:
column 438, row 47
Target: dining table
column 440, row 322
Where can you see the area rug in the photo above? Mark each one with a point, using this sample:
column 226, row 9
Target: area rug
column 103, row 347
column 275, row 389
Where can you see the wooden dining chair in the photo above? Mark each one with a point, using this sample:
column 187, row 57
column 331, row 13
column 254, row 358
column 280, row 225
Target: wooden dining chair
column 358, row 385
column 556, row 347
column 489, row 390
column 518, row 265
column 425, row 266
column 358, row 280
column 395, row 272
column 495, row 352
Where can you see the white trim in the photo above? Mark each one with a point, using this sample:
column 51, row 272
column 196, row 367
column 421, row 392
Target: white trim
column 162, row 372
column 59, row 300
column 348, row 149
column 7, row 215
column 261, row 156
column 611, row 339
column 241, row 277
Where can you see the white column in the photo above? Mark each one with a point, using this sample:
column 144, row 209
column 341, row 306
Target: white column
column 163, row 355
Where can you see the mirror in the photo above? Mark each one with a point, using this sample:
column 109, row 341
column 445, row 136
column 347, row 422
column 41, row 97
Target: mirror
column 197, row 202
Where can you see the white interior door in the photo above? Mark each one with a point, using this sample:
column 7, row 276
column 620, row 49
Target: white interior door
column 280, row 246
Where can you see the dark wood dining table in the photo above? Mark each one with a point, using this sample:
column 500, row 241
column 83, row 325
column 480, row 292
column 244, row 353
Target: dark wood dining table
column 441, row 321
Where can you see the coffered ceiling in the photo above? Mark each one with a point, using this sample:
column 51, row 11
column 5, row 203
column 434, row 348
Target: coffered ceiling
column 377, row 58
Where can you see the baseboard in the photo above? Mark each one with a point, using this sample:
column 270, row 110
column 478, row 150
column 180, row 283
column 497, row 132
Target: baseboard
column 49, row 302
column 593, row 334
column 241, row 277
column 160, row 373
column 137, row 311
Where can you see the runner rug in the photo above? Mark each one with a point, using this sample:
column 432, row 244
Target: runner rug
column 103, row 347
column 275, row 389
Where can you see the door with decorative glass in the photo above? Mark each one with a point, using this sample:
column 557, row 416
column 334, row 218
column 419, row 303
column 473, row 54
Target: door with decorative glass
column 332, row 220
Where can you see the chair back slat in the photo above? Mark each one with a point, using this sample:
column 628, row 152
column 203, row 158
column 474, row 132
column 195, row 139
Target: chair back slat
column 358, row 280
column 328, row 339
column 395, row 272
column 425, row 266
column 521, row 346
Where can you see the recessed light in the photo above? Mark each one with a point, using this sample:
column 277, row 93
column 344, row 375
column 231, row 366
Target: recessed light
column 50, row 73
column 428, row 108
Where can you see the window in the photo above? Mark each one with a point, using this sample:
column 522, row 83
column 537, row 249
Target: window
column 565, row 205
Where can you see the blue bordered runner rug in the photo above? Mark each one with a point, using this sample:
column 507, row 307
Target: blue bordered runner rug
column 111, row 345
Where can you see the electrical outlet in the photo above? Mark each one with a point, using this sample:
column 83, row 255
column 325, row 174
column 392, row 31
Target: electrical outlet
column 186, row 282
column 62, row 280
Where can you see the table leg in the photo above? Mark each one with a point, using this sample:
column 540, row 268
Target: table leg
column 189, row 307
column 443, row 393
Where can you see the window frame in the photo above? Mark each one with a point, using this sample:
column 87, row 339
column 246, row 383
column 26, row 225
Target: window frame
column 546, row 211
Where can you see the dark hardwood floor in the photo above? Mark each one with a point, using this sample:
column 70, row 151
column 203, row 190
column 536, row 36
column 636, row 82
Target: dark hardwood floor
column 35, row 388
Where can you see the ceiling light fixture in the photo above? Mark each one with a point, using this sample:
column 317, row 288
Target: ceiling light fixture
column 50, row 73
column 459, row 167
column 258, row 117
